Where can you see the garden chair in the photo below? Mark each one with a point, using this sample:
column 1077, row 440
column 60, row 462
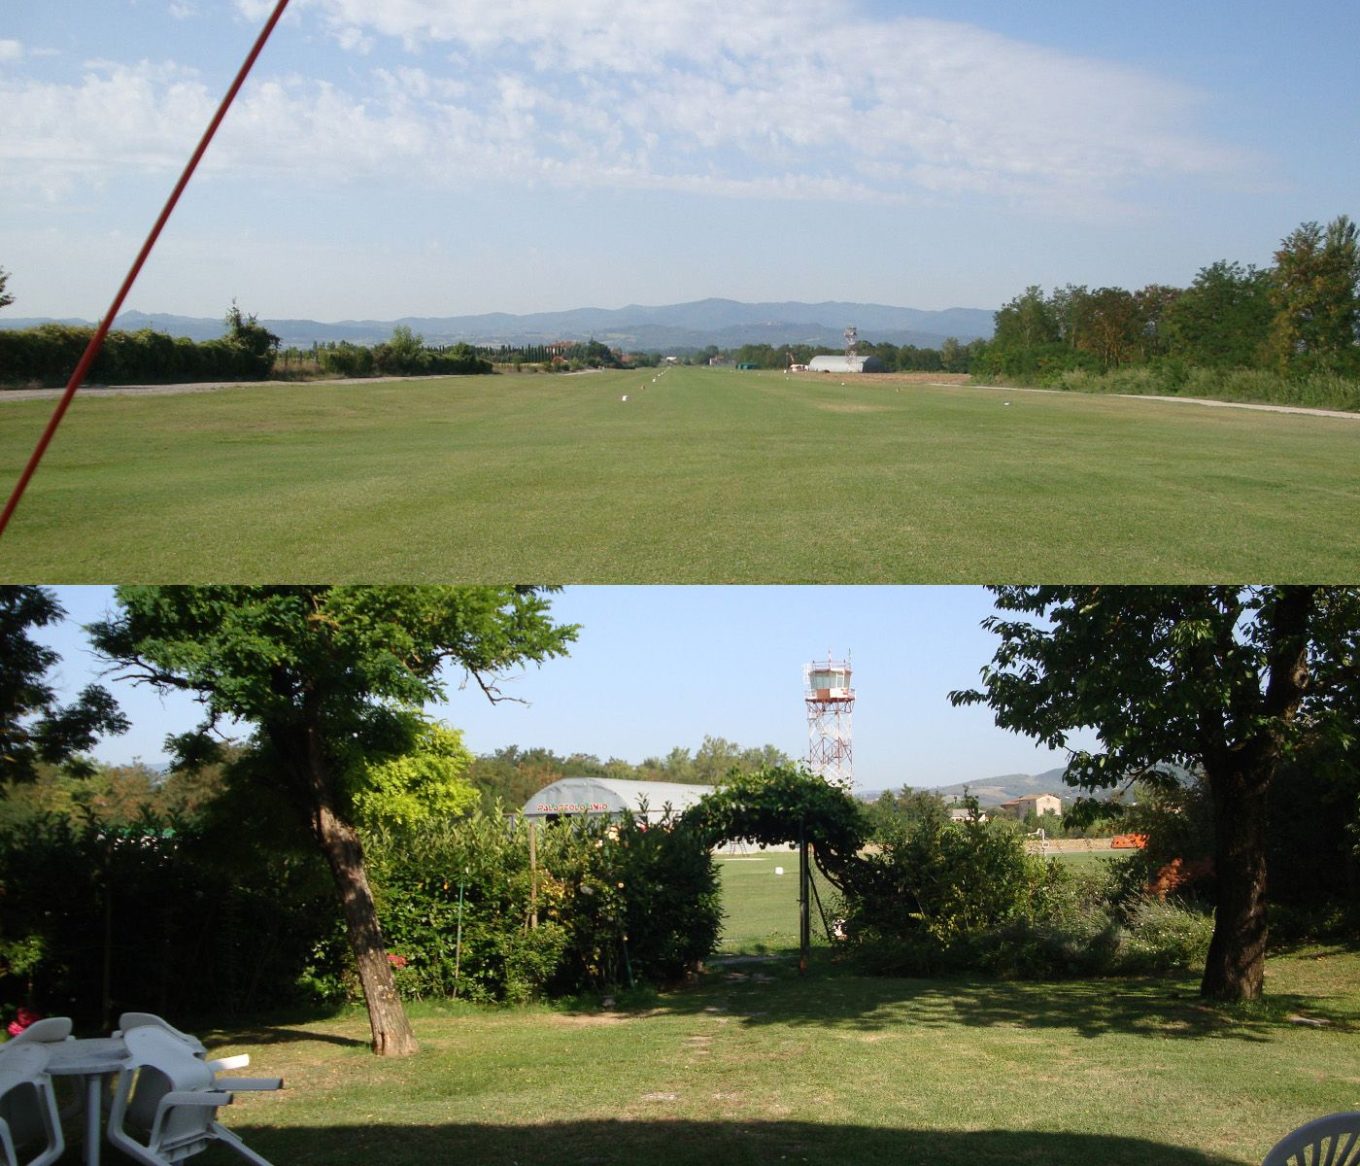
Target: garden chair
column 41, row 1031
column 1333, row 1140
column 130, row 1020
column 47, row 1031
column 165, row 1103
column 28, row 1108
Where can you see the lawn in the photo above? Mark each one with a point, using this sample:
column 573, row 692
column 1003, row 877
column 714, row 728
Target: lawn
column 761, row 904
column 757, row 1064
column 702, row 476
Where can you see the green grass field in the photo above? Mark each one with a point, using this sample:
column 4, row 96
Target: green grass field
column 761, row 905
column 705, row 476
column 759, row 1065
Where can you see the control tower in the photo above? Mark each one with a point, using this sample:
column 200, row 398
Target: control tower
column 830, row 700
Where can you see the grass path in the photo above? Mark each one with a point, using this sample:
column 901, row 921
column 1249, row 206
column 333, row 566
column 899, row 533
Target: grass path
column 704, row 476
column 768, row 1067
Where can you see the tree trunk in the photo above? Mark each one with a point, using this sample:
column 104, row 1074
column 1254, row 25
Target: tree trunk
column 1235, row 968
column 339, row 841
column 1239, row 782
column 392, row 1034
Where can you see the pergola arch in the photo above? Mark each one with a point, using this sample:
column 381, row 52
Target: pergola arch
column 782, row 805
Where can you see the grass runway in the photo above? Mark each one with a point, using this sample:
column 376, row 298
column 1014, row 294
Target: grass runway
column 703, row 476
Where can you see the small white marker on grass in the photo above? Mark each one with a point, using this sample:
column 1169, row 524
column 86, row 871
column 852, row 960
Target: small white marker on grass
column 624, row 397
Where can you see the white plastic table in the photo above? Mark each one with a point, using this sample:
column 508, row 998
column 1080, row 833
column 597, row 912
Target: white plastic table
column 92, row 1059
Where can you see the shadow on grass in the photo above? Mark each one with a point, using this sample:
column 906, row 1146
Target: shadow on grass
column 672, row 1143
column 279, row 1034
column 1156, row 1008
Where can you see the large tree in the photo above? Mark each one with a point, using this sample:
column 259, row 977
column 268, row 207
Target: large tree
column 1316, row 294
column 1223, row 318
column 34, row 726
column 331, row 678
column 1225, row 681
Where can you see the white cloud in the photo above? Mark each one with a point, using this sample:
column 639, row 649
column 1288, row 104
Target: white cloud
column 764, row 98
column 11, row 50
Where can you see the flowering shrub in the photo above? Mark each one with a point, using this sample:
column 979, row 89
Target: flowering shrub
column 23, row 1017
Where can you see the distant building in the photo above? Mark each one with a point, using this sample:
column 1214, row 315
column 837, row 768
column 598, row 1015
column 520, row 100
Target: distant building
column 608, row 797
column 1041, row 804
column 843, row 364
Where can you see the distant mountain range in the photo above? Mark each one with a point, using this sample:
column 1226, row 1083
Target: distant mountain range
column 669, row 328
column 992, row 791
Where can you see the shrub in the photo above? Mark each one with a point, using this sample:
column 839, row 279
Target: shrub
column 943, row 897
column 604, row 902
column 941, row 878
column 181, row 933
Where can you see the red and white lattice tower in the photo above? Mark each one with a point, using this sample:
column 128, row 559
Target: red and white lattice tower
column 830, row 700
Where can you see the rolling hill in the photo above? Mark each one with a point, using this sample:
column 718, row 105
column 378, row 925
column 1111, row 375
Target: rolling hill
column 667, row 328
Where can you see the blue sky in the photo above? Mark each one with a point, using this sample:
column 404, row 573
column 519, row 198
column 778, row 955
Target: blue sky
column 659, row 667
column 436, row 157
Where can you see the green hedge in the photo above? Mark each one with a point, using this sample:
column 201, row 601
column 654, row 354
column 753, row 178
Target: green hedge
column 603, row 903
column 183, row 930
column 48, row 355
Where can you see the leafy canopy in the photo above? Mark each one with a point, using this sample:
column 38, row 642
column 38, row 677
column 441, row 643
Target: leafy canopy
column 350, row 658
column 34, row 727
column 427, row 783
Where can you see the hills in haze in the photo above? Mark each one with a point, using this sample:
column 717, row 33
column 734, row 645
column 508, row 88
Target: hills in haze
column 672, row 327
column 992, row 791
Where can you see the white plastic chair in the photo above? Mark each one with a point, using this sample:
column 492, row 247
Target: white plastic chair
column 1333, row 1140
column 28, row 1108
column 53, row 1028
column 130, row 1020
column 165, row 1103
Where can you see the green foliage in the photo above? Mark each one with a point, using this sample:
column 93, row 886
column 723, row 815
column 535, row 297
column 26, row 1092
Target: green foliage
column 426, row 783
column 330, row 678
column 909, row 809
column 954, row 898
column 1299, row 319
column 782, row 804
column 1222, row 320
column 602, row 903
column 258, row 346
column 6, row 297
column 34, row 728
column 1170, row 378
column 1316, row 295
column 346, row 360
column 49, row 353
column 186, row 926
column 1225, row 681
column 945, row 880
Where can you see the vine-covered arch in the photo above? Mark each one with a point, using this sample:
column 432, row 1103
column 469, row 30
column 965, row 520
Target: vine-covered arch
column 772, row 807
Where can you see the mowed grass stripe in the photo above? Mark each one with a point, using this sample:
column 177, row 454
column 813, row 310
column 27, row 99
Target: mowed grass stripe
column 703, row 476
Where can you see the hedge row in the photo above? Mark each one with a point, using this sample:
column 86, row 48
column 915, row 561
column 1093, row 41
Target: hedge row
column 48, row 355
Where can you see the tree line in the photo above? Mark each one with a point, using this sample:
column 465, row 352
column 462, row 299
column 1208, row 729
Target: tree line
column 1298, row 317
column 404, row 353
column 47, row 354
